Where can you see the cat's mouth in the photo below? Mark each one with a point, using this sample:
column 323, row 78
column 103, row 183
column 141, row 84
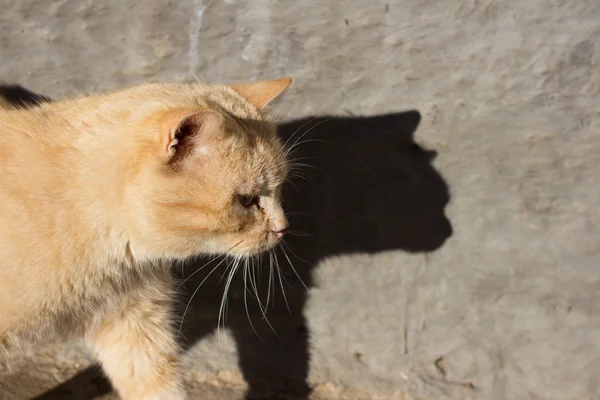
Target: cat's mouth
column 246, row 249
column 262, row 248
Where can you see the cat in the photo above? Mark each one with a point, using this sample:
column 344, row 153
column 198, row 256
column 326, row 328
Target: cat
column 100, row 194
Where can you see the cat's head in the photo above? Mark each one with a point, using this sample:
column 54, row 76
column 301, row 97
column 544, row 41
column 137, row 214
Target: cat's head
column 209, row 180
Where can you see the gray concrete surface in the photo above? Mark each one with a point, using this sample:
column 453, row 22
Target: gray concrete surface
column 508, row 92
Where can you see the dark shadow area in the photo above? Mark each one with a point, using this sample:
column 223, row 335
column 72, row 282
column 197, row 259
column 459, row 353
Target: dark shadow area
column 369, row 188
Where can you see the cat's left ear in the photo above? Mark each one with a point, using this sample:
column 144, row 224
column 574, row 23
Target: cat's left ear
column 261, row 93
column 185, row 133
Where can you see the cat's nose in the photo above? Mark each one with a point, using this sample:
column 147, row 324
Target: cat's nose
column 279, row 227
column 281, row 232
column 278, row 223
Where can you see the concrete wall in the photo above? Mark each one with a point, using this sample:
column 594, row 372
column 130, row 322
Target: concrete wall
column 501, row 306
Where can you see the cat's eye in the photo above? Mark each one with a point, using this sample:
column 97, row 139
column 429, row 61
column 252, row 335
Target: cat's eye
column 247, row 200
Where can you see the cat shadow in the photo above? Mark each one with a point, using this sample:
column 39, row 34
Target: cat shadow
column 369, row 187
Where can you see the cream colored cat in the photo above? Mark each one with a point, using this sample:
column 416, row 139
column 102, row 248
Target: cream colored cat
column 99, row 194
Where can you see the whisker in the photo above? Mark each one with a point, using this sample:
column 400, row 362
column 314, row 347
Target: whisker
column 300, row 176
column 284, row 272
column 295, row 159
column 193, row 294
column 300, row 165
column 295, row 144
column 298, row 233
column 294, row 186
column 287, row 305
column 259, row 268
column 198, row 269
column 298, row 129
column 223, row 307
column 263, row 309
column 225, row 272
column 230, row 276
column 296, row 171
column 270, row 278
column 245, row 276
column 287, row 246
column 253, row 285
column 294, row 269
column 299, row 142
column 213, row 259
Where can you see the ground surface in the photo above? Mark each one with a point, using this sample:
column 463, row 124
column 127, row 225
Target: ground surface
column 490, row 295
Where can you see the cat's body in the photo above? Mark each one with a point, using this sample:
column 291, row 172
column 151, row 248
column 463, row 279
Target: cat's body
column 98, row 194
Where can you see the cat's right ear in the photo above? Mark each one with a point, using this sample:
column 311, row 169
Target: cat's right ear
column 262, row 93
column 185, row 133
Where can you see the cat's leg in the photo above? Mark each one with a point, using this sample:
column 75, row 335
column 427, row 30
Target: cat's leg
column 136, row 345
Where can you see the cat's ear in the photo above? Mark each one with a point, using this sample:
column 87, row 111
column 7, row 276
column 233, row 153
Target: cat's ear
column 261, row 93
column 185, row 133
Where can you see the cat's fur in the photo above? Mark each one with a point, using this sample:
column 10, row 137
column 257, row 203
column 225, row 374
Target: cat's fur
column 100, row 193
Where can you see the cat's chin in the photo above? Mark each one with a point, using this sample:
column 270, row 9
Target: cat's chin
column 252, row 251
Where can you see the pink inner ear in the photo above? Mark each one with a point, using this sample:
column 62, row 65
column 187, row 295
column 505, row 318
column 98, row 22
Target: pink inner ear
column 185, row 138
column 170, row 146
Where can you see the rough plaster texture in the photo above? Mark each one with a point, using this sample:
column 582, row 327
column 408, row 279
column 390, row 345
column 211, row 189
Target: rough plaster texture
column 508, row 93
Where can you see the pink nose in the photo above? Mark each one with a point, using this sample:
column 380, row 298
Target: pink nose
column 280, row 233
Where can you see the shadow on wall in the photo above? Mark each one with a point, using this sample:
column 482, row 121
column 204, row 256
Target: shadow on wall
column 370, row 188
